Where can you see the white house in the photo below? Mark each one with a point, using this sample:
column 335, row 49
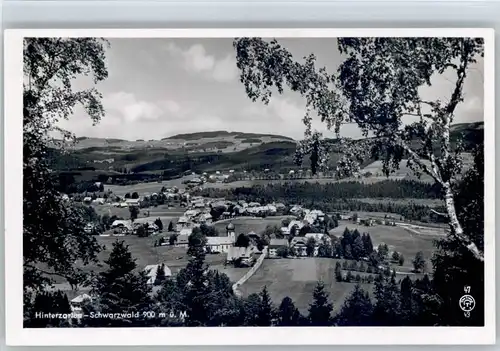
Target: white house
column 191, row 213
column 124, row 224
column 151, row 271
column 183, row 223
column 299, row 243
column 89, row 227
column 294, row 223
column 186, row 232
column 218, row 244
column 77, row 302
column 133, row 202
column 182, row 241
column 87, row 200
column 274, row 245
column 235, row 253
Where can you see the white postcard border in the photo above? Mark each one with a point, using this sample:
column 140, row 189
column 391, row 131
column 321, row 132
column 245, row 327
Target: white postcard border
column 13, row 146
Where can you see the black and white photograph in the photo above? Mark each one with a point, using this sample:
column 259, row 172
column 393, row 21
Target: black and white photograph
column 254, row 181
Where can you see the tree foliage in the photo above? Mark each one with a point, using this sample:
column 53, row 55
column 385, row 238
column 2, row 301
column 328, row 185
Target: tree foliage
column 321, row 308
column 288, row 314
column 357, row 309
column 53, row 234
column 419, row 262
column 120, row 289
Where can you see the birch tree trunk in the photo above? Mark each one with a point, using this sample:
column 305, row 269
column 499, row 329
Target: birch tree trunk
column 455, row 226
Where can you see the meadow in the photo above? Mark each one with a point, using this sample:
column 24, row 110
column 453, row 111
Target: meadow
column 144, row 253
column 297, row 278
column 397, row 238
column 249, row 224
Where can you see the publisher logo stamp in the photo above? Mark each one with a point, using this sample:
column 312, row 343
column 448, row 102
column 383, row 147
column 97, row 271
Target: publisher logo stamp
column 467, row 304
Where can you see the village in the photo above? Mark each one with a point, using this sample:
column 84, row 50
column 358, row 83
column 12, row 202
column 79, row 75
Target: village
column 167, row 218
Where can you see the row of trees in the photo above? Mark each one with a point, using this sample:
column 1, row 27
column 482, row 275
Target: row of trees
column 294, row 191
column 207, row 299
column 319, row 200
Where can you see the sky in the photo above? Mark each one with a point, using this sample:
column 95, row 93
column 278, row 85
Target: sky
column 161, row 87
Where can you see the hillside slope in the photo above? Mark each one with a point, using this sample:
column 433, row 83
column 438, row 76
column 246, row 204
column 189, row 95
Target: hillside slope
column 208, row 151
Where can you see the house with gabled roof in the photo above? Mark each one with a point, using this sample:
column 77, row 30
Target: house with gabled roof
column 274, row 245
column 218, row 244
column 152, row 269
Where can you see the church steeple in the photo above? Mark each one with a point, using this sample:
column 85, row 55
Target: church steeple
column 230, row 232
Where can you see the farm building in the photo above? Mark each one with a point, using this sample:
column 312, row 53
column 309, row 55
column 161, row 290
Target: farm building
column 152, row 269
column 183, row 223
column 235, row 253
column 124, row 225
column 77, row 302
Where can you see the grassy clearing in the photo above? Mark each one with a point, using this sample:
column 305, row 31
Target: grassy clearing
column 145, row 253
column 297, row 279
column 248, row 224
column 406, row 201
column 142, row 188
column 124, row 212
column 397, row 238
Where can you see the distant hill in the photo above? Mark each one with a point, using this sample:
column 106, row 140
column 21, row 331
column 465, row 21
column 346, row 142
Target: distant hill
column 472, row 133
column 224, row 134
column 202, row 141
column 207, row 151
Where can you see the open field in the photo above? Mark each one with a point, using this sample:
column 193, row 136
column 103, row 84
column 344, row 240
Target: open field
column 145, row 253
column 397, row 238
column 144, row 188
column 297, row 279
column 248, row 224
column 405, row 201
column 124, row 212
column 404, row 172
column 440, row 227
column 152, row 187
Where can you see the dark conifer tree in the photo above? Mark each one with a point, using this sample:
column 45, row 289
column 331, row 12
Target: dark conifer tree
column 357, row 309
column 265, row 310
column 387, row 307
column 320, row 309
column 121, row 290
column 288, row 314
